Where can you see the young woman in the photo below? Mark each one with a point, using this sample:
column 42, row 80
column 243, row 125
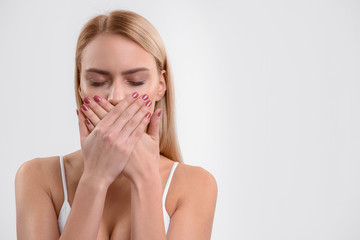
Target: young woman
column 117, row 186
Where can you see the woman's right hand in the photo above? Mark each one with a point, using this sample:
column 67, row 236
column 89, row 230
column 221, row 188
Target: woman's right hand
column 108, row 147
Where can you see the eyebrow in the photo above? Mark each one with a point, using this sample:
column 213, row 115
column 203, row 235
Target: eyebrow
column 123, row 73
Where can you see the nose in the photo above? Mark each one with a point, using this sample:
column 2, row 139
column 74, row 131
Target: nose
column 117, row 93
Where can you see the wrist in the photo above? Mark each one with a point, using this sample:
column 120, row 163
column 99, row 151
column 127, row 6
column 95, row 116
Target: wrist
column 96, row 183
column 149, row 177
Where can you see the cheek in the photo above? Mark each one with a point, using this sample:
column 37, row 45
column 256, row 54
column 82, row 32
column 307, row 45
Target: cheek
column 151, row 90
column 88, row 91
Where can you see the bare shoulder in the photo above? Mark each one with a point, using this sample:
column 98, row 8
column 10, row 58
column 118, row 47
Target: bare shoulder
column 196, row 173
column 195, row 210
column 37, row 165
column 35, row 213
column 38, row 170
column 195, row 181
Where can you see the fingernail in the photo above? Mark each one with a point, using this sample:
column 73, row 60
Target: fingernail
column 97, row 98
column 135, row 95
column 88, row 121
column 87, row 100
column 84, row 107
column 145, row 97
column 148, row 115
column 159, row 113
column 77, row 112
column 148, row 103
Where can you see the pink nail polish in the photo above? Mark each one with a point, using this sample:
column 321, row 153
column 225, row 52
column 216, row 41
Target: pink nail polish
column 159, row 113
column 145, row 97
column 77, row 112
column 87, row 100
column 88, row 121
column 148, row 103
column 148, row 115
column 97, row 98
column 135, row 95
column 84, row 107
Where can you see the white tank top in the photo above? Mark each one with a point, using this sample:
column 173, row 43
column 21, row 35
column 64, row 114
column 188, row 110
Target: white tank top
column 65, row 208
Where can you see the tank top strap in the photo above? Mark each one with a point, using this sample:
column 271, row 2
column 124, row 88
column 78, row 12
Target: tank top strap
column 63, row 177
column 169, row 181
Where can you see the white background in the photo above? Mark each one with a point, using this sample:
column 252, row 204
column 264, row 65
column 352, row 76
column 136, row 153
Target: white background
column 267, row 100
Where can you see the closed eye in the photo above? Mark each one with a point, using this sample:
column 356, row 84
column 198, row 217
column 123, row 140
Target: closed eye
column 136, row 83
column 97, row 84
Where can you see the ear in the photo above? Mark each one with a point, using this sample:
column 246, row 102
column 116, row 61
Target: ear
column 162, row 86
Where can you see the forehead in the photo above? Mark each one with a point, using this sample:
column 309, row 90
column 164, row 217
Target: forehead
column 111, row 51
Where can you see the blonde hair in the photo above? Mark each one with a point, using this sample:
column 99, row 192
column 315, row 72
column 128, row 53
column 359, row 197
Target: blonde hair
column 141, row 31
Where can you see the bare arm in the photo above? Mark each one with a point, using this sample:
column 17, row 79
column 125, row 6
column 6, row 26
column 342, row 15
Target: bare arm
column 147, row 221
column 86, row 211
column 193, row 218
column 35, row 214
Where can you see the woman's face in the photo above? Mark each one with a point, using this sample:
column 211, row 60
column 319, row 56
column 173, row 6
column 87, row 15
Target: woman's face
column 113, row 66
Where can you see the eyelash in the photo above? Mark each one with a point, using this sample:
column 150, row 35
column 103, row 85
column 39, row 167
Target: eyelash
column 136, row 83
column 98, row 84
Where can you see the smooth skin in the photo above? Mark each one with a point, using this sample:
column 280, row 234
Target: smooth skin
column 115, row 182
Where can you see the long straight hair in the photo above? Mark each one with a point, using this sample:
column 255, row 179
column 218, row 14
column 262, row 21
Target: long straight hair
column 136, row 28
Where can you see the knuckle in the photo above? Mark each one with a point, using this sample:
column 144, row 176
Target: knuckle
column 91, row 118
column 143, row 123
column 95, row 107
column 97, row 131
column 125, row 115
column 137, row 133
column 143, row 108
column 100, row 130
column 132, row 123
column 108, row 137
column 140, row 102
column 144, row 111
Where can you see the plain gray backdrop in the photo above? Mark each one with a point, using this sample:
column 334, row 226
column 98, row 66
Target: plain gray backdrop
column 267, row 100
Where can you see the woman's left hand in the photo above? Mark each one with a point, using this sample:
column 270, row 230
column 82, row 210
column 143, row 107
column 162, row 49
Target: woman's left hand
column 144, row 160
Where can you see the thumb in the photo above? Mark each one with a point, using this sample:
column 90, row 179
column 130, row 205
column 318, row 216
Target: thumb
column 154, row 125
column 84, row 131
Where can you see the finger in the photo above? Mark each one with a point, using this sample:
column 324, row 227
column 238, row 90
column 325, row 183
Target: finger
column 89, row 125
column 139, row 130
column 96, row 108
column 154, row 125
column 129, row 112
column 83, row 130
column 88, row 112
column 114, row 114
column 135, row 120
column 104, row 103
